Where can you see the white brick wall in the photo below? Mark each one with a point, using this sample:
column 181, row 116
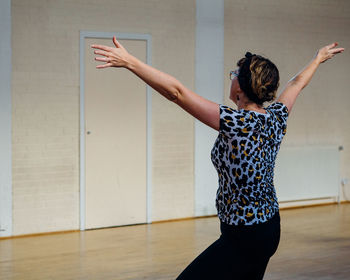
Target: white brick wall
column 173, row 188
column 289, row 33
column 45, row 91
column 46, row 105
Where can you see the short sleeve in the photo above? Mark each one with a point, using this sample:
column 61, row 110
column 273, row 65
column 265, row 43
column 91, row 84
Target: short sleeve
column 280, row 109
column 281, row 113
column 228, row 121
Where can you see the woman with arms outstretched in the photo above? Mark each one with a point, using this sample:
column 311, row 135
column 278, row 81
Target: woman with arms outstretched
column 244, row 155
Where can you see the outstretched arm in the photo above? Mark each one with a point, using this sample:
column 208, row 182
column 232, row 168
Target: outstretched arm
column 299, row 81
column 204, row 110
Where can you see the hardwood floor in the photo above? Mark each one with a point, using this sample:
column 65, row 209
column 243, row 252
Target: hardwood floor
column 315, row 244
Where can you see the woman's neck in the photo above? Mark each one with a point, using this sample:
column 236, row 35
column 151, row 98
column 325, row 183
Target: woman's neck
column 250, row 106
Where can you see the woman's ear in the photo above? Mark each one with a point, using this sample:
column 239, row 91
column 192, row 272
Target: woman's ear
column 239, row 90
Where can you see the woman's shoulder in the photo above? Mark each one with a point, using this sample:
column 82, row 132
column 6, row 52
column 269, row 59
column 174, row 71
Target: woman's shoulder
column 278, row 107
column 226, row 108
column 236, row 122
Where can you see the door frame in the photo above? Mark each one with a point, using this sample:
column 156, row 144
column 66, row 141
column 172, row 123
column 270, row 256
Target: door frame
column 122, row 36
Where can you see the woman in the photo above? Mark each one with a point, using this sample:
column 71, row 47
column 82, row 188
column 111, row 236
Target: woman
column 244, row 155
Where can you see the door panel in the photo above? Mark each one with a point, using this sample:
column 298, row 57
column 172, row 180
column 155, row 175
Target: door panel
column 115, row 141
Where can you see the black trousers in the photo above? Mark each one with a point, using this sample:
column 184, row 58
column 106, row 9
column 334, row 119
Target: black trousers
column 241, row 252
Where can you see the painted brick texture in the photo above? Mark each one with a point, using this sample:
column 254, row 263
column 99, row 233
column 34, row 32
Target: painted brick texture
column 289, row 33
column 46, row 105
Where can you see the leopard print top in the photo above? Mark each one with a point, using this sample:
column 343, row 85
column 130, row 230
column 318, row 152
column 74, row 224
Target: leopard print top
column 244, row 156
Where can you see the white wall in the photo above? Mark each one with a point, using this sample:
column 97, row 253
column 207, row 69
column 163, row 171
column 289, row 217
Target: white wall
column 46, row 101
column 45, row 93
column 209, row 84
column 5, row 120
column 289, row 33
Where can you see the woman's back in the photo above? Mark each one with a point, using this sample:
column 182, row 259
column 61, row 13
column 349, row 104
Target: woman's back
column 244, row 155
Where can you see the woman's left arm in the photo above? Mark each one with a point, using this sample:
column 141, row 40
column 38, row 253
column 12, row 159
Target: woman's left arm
column 301, row 80
column 204, row 110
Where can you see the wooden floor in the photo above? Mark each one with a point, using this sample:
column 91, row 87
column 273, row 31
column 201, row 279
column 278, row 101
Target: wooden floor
column 315, row 244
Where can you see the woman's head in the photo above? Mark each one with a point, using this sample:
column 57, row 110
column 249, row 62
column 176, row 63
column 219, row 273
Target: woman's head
column 258, row 78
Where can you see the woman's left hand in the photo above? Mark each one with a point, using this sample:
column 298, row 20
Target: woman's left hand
column 113, row 57
column 328, row 52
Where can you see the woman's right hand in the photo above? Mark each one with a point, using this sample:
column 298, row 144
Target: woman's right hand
column 113, row 57
column 328, row 52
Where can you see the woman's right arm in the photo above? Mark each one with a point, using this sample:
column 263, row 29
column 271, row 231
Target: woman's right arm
column 204, row 110
column 299, row 81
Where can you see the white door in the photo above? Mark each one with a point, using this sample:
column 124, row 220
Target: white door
column 115, row 141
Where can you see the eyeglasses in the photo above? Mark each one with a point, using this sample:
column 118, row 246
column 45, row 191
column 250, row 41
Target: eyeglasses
column 234, row 74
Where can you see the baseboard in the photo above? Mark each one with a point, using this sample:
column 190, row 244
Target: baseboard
column 284, row 205
column 183, row 219
column 38, row 234
column 307, row 203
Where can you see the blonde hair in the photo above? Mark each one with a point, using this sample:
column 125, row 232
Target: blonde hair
column 258, row 78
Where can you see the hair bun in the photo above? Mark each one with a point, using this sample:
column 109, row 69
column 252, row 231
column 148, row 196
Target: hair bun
column 258, row 78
